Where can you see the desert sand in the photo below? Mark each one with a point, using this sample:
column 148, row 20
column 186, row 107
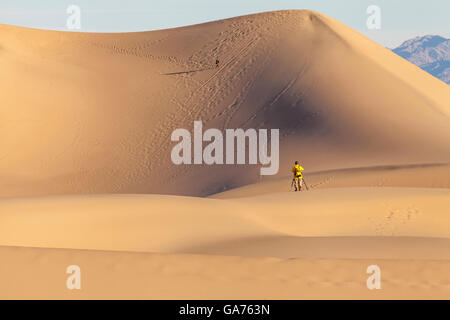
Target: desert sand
column 87, row 179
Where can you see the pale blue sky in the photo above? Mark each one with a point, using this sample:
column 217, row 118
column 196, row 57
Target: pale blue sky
column 400, row 19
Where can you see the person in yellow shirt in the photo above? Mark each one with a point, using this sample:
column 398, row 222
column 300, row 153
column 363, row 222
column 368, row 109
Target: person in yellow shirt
column 297, row 181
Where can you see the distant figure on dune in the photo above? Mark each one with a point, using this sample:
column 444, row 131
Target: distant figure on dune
column 297, row 180
column 217, row 63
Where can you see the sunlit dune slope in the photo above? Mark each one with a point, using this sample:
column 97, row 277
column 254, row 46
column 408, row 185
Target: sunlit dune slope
column 347, row 225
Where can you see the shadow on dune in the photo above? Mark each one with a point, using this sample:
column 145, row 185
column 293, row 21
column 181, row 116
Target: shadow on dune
column 323, row 247
column 186, row 72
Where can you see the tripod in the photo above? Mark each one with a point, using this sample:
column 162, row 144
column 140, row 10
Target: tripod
column 293, row 183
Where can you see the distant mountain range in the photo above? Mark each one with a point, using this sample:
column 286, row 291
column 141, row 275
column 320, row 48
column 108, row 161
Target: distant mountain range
column 430, row 53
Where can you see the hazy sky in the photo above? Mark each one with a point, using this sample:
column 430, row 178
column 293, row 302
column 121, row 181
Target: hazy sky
column 400, row 19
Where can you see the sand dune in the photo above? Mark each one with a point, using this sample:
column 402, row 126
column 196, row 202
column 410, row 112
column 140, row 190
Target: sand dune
column 264, row 247
column 121, row 275
column 95, row 111
column 86, row 176
column 426, row 175
column 279, row 225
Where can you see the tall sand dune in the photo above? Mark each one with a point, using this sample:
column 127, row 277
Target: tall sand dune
column 93, row 113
